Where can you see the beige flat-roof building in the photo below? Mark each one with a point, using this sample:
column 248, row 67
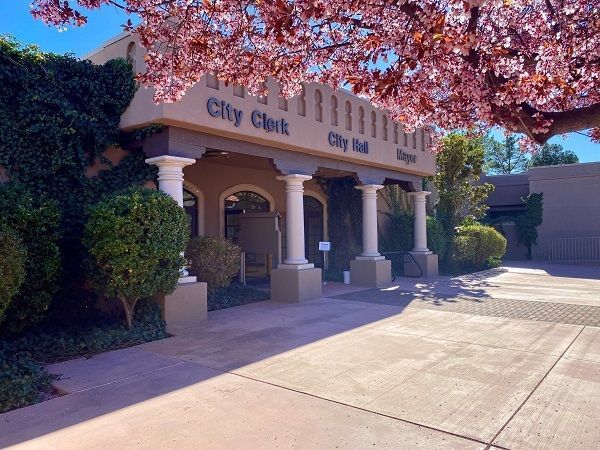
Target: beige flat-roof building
column 249, row 169
column 570, row 228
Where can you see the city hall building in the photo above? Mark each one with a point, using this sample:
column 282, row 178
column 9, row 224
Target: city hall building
column 248, row 168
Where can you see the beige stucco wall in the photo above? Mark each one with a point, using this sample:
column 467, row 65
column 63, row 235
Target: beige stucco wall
column 212, row 180
column 310, row 119
column 571, row 202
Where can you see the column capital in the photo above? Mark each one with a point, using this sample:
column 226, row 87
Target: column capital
column 369, row 187
column 419, row 194
column 298, row 177
column 170, row 161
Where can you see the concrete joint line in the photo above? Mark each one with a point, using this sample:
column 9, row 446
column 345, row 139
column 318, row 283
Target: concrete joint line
column 128, row 378
column 358, row 408
column 491, row 442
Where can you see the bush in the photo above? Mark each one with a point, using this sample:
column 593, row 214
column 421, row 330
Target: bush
column 475, row 245
column 36, row 222
column 214, row 261
column 135, row 240
column 23, row 379
column 235, row 295
column 12, row 267
column 437, row 240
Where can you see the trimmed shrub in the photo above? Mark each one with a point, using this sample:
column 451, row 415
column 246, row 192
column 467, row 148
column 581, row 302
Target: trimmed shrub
column 36, row 221
column 475, row 245
column 214, row 261
column 12, row 267
column 135, row 240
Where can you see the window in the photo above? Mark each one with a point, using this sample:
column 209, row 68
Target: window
column 373, row 124
column 348, row 115
column 190, row 206
column 361, row 120
column 239, row 203
column 302, row 103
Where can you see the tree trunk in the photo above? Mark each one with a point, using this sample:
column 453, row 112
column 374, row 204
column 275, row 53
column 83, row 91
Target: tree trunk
column 129, row 309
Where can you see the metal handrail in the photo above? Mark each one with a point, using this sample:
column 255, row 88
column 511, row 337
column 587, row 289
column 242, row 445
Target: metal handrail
column 398, row 260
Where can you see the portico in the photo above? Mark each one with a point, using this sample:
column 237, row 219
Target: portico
column 226, row 156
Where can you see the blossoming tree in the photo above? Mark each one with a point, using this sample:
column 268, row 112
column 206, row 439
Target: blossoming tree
column 530, row 66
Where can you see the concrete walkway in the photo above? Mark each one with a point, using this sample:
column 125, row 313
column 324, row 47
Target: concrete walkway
column 368, row 368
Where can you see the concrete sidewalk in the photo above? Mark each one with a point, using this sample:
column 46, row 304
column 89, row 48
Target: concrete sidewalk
column 334, row 373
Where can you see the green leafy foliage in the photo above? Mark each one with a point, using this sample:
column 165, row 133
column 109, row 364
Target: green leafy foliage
column 12, row 267
column 214, row 261
column 36, row 221
column 437, row 239
column 399, row 235
column 528, row 222
column 459, row 165
column 553, row 155
column 477, row 244
column 136, row 239
column 235, row 295
column 23, row 379
column 58, row 116
column 344, row 223
column 504, row 157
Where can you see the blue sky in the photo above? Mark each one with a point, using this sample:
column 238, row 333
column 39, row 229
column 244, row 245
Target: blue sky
column 106, row 23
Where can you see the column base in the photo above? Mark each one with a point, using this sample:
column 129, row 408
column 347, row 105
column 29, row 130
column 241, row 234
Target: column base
column 291, row 285
column 185, row 307
column 370, row 272
column 427, row 261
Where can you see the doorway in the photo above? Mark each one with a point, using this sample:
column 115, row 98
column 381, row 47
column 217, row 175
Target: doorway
column 313, row 230
column 257, row 270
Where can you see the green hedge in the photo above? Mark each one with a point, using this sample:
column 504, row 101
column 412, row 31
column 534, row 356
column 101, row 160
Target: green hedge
column 36, row 221
column 12, row 267
column 478, row 246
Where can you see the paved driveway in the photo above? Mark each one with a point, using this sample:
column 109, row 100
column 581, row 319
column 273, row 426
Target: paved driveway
column 413, row 365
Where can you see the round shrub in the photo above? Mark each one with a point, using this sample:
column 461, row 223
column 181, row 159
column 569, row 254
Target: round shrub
column 214, row 261
column 136, row 239
column 476, row 244
column 12, row 267
column 36, row 220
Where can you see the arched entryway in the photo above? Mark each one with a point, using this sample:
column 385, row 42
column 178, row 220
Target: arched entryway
column 313, row 230
column 236, row 204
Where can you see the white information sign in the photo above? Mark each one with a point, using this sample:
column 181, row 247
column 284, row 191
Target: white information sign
column 324, row 246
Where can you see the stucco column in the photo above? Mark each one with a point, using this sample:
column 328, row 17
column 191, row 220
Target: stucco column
column 294, row 217
column 369, row 220
column 420, row 230
column 170, row 181
column 170, row 174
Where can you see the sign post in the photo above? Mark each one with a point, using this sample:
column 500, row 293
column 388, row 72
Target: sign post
column 324, row 246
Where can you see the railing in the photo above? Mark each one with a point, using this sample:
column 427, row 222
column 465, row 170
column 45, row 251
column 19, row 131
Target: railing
column 399, row 259
column 583, row 249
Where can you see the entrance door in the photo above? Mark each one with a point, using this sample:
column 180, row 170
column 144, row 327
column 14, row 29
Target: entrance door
column 190, row 206
column 313, row 230
column 240, row 203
